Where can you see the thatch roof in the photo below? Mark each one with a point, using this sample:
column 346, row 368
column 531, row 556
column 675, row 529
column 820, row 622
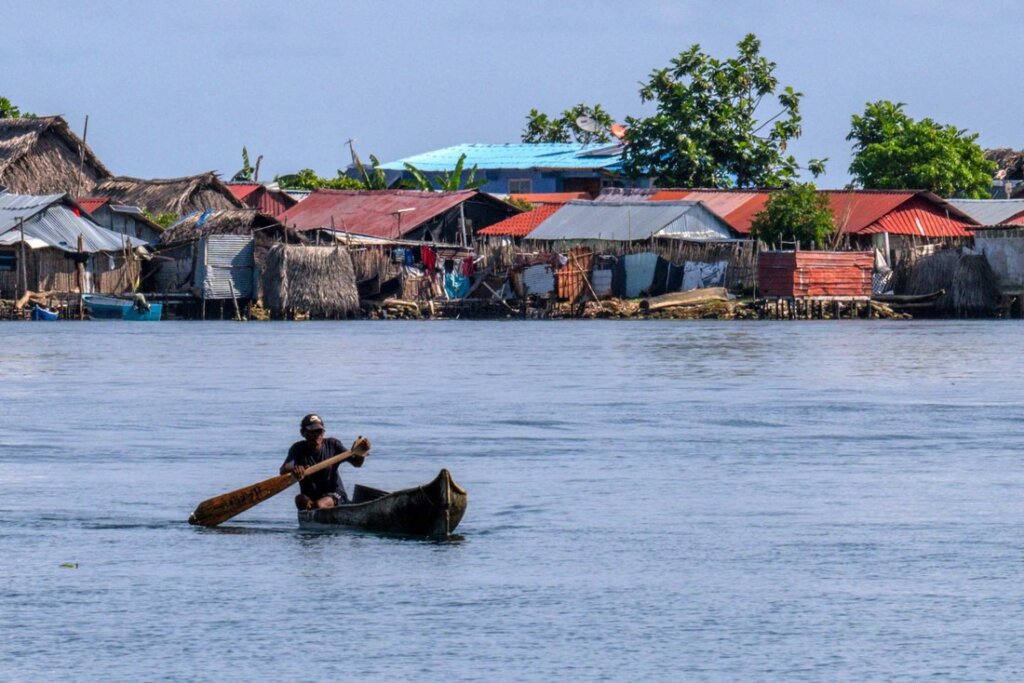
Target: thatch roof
column 178, row 196
column 1010, row 162
column 320, row 281
column 225, row 222
column 971, row 285
column 44, row 156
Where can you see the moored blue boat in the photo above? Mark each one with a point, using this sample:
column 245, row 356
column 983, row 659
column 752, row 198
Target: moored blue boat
column 99, row 307
column 41, row 313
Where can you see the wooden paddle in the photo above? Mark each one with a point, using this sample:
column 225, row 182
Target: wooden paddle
column 221, row 508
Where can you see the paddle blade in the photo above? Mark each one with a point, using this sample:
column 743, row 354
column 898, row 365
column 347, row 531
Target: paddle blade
column 221, row 508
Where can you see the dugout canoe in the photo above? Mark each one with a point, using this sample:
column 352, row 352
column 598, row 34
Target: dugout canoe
column 434, row 509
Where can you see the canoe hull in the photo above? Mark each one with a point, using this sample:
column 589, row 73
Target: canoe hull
column 434, row 509
column 40, row 313
column 111, row 308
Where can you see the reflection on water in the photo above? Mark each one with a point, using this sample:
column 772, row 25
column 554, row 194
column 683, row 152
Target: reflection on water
column 648, row 500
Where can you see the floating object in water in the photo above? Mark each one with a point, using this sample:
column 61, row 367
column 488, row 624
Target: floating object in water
column 69, row 565
column 434, row 509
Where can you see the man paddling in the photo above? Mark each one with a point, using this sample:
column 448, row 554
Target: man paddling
column 323, row 489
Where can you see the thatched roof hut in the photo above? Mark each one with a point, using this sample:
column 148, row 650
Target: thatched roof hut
column 225, row 222
column 971, row 286
column 177, row 196
column 40, row 156
column 319, row 281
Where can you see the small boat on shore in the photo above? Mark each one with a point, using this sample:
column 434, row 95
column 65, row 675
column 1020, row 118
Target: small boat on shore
column 99, row 307
column 434, row 509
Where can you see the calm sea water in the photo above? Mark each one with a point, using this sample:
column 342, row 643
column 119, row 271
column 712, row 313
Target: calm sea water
column 648, row 501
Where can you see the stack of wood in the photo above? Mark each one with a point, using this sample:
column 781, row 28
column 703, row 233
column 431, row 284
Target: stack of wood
column 388, row 309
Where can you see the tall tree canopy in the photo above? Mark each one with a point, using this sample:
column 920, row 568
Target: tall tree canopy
column 798, row 212
column 717, row 123
column 893, row 151
column 543, row 128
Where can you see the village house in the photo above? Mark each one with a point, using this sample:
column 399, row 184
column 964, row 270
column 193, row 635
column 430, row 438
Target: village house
column 629, row 248
column 48, row 244
column 525, row 168
column 42, row 155
column 174, row 196
column 215, row 256
column 127, row 220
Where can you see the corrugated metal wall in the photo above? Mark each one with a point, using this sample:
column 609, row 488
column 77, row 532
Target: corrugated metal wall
column 228, row 268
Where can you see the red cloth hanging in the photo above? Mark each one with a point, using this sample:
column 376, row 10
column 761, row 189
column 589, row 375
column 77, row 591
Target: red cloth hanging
column 429, row 258
column 468, row 267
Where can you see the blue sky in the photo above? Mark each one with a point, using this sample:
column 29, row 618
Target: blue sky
column 177, row 88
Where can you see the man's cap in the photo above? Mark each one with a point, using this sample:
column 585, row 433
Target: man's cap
column 313, row 422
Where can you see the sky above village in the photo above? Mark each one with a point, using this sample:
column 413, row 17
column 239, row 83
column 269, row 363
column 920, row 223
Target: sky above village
column 178, row 88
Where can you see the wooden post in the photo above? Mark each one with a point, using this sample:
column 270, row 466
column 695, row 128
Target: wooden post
column 22, row 262
column 462, row 223
column 80, row 268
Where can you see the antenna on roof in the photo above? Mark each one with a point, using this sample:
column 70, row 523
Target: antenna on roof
column 588, row 123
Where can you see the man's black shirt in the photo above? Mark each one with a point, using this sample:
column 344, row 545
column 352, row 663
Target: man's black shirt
column 326, row 481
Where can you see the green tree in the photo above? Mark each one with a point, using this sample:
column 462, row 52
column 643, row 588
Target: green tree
column 893, row 151
column 798, row 212
column 710, row 129
column 543, row 128
column 444, row 181
column 11, row 111
column 247, row 172
column 164, row 220
column 307, row 179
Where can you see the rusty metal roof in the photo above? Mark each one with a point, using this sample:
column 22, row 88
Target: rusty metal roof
column 521, row 224
column 372, row 212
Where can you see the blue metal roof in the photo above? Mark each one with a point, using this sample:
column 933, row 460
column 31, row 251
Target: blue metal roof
column 520, row 155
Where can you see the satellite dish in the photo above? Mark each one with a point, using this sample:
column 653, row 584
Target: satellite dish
column 588, row 124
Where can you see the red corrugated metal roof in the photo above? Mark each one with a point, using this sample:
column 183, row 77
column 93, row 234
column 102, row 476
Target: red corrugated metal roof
column 735, row 207
column 550, row 197
column 522, row 224
column 921, row 218
column 856, row 210
column 90, row 204
column 243, row 190
column 899, row 212
column 370, row 212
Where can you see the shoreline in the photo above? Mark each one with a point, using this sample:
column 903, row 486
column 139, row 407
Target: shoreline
column 718, row 307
